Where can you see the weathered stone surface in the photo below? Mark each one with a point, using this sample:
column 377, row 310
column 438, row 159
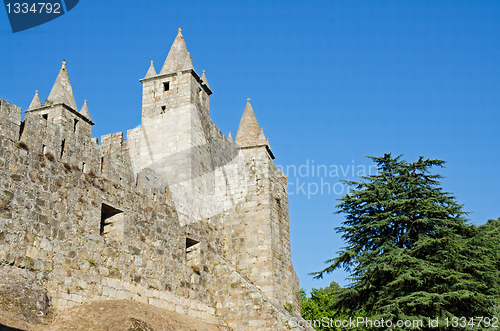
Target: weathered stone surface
column 61, row 91
column 22, row 294
column 178, row 216
column 148, row 178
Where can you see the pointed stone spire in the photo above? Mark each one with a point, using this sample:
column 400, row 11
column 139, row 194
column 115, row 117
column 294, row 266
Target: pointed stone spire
column 85, row 111
column 178, row 58
column 204, row 79
column 35, row 103
column 262, row 137
column 229, row 137
column 151, row 71
column 61, row 91
column 249, row 130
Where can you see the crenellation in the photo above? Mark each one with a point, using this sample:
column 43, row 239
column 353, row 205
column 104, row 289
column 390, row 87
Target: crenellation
column 11, row 117
column 177, row 216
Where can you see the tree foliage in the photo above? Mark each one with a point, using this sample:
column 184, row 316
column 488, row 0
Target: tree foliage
column 318, row 305
column 318, row 310
column 410, row 251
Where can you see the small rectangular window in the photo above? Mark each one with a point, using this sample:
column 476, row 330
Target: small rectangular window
column 45, row 116
column 112, row 223
column 74, row 126
column 193, row 255
column 163, row 108
column 166, row 86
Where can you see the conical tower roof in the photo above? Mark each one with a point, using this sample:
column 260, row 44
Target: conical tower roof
column 35, row 103
column 249, row 130
column 178, row 58
column 204, row 79
column 61, row 91
column 151, row 71
column 262, row 137
column 85, row 110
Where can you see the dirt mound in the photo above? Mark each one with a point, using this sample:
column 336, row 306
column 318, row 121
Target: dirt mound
column 120, row 315
column 25, row 305
column 22, row 295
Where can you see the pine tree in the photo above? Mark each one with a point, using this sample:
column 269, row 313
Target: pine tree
column 410, row 251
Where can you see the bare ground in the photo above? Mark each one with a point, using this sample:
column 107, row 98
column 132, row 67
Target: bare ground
column 119, row 315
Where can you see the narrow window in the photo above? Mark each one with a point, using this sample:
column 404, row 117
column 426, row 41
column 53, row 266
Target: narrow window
column 62, row 147
column 163, row 108
column 45, row 116
column 112, row 223
column 84, row 168
column 21, row 130
column 74, row 126
column 193, row 255
column 166, row 86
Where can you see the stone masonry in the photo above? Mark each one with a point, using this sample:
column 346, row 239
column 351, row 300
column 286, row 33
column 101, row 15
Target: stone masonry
column 178, row 216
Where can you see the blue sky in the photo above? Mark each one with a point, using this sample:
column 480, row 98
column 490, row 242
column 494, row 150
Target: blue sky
column 330, row 81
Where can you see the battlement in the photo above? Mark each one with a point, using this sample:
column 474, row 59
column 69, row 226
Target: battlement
column 177, row 216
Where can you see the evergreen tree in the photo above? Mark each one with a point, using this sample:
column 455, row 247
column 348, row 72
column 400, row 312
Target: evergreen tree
column 410, row 251
column 489, row 235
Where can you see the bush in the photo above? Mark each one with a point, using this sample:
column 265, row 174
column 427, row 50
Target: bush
column 22, row 144
column 50, row 156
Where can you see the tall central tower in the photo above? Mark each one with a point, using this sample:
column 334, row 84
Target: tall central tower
column 175, row 135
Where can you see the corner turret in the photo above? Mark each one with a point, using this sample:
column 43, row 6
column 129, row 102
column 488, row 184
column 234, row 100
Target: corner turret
column 204, row 79
column 85, row 110
column 35, row 103
column 60, row 107
column 250, row 135
column 151, row 71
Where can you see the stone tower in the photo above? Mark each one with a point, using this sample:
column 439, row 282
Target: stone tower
column 60, row 107
column 210, row 176
column 261, row 239
column 174, row 137
column 69, row 128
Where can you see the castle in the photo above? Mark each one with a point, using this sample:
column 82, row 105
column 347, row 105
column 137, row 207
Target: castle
column 177, row 216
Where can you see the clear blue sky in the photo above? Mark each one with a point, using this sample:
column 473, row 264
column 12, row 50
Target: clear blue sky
column 330, row 81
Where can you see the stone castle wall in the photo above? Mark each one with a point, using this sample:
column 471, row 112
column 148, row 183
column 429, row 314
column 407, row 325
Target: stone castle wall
column 92, row 229
column 177, row 216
